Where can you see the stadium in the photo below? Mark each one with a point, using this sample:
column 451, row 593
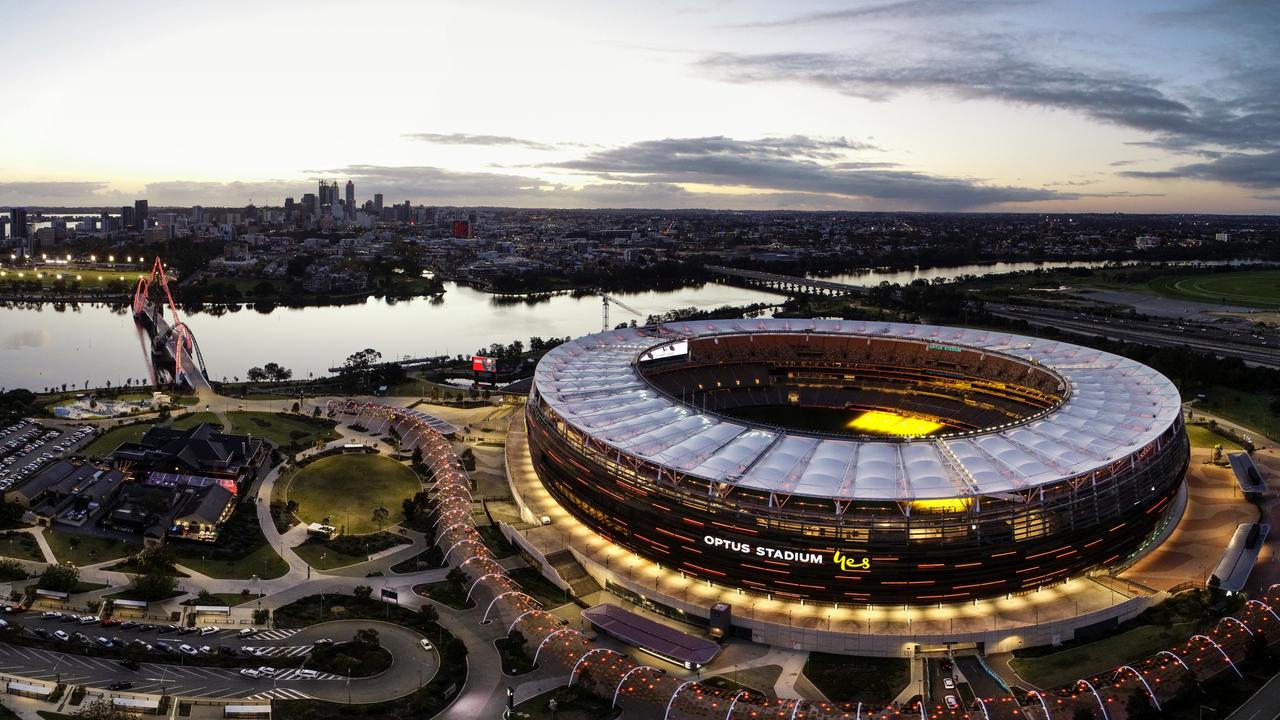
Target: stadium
column 855, row 462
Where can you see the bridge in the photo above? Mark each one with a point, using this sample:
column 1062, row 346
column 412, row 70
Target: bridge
column 175, row 354
column 785, row 284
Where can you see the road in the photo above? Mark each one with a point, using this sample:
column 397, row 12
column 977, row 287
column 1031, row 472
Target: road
column 1264, row 705
column 176, row 674
column 1146, row 333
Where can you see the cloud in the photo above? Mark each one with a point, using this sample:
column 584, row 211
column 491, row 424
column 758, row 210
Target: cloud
column 56, row 192
column 1255, row 170
column 988, row 68
column 897, row 10
column 796, row 164
column 469, row 139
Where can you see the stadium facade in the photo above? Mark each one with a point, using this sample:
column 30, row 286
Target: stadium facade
column 858, row 462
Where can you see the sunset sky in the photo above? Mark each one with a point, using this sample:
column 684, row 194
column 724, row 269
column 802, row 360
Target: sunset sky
column 975, row 105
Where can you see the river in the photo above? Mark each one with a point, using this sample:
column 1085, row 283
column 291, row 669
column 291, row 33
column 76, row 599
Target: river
column 43, row 346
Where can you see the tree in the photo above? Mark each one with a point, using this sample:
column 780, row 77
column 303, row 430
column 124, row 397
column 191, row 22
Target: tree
column 456, row 578
column 429, row 613
column 276, row 372
column 1139, row 707
column 62, row 578
column 368, row 637
column 363, row 592
column 256, row 374
column 357, row 368
column 155, row 585
column 100, row 709
column 381, row 516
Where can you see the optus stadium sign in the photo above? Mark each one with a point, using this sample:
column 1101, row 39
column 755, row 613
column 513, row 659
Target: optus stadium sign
column 839, row 559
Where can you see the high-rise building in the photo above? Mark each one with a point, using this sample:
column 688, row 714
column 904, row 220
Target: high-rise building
column 288, row 209
column 351, row 197
column 126, row 218
column 197, row 214
column 310, row 205
column 140, row 214
column 377, row 203
column 18, row 223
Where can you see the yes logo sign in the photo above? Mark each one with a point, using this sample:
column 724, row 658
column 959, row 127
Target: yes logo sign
column 848, row 563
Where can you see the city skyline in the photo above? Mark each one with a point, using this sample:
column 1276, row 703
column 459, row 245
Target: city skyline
column 983, row 105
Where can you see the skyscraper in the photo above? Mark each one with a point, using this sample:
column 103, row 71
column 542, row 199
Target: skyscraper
column 140, row 214
column 18, row 223
column 351, row 197
column 322, row 194
column 377, row 204
column 126, row 218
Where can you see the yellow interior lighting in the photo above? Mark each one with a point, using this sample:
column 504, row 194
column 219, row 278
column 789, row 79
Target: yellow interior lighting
column 887, row 423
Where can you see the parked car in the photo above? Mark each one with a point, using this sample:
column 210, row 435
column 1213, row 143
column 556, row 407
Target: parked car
column 250, row 673
column 62, row 635
column 306, row 674
column 122, row 685
column 188, row 650
column 209, row 630
column 266, row 671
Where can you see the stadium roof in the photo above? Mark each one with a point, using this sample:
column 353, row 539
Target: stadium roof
column 1115, row 407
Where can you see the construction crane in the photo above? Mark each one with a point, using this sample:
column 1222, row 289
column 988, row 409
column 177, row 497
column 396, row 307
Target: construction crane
column 604, row 310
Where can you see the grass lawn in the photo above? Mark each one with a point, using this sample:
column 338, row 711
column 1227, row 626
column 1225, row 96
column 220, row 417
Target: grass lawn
column 131, row 594
column 282, row 429
column 539, row 587
column 323, row 489
column 571, row 704
column 1066, row 666
column 190, row 420
column 446, row 593
column 322, row 558
column 1250, row 409
column 1203, row 437
column 240, row 552
column 20, row 545
column 228, row 599
column 346, row 549
column 111, row 439
column 81, row 550
column 496, row 541
column 1251, row 288
column 843, row 678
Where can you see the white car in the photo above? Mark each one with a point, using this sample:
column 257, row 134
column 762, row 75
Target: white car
column 952, row 703
column 267, row 671
column 250, row 673
column 188, row 650
column 210, row 630
column 306, row 674
column 948, row 683
column 246, row 632
column 426, row 644
column 51, row 615
column 62, row 635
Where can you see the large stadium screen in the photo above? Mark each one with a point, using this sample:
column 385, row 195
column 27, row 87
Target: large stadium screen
column 666, row 351
column 484, row 364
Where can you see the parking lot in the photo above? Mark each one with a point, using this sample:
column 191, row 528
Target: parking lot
column 178, row 661
column 26, row 446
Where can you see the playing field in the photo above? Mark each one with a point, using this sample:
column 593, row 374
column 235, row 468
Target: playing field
column 1251, row 288
column 347, row 488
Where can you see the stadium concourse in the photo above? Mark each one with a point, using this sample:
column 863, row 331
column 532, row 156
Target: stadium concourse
column 568, row 653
